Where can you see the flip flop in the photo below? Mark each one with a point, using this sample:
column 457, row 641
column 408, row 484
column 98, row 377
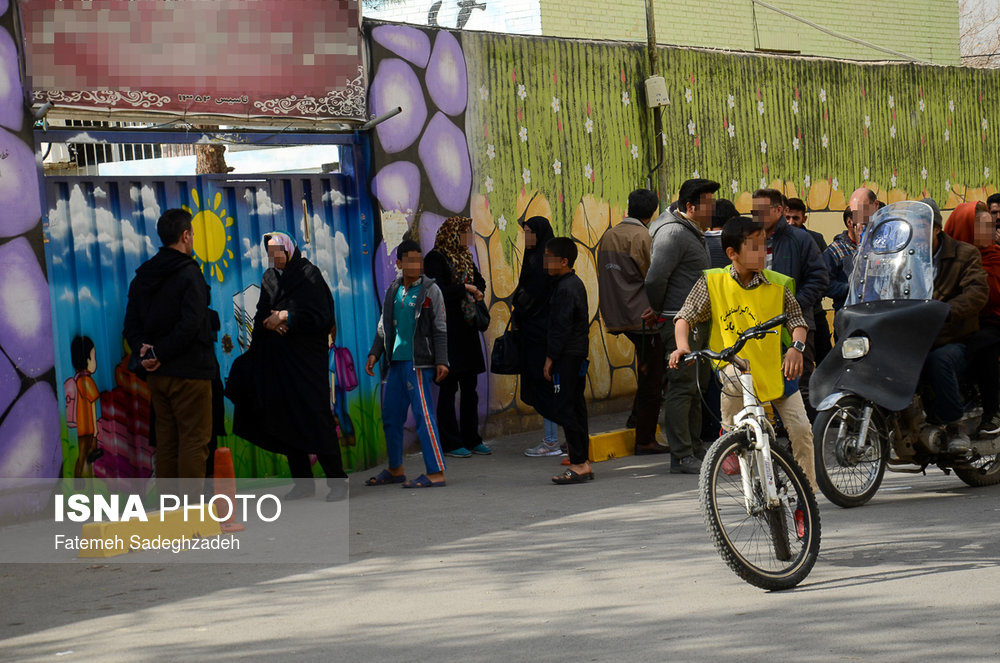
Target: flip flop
column 385, row 477
column 569, row 476
column 423, row 482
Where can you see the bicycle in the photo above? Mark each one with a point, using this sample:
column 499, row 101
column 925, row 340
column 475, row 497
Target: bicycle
column 759, row 508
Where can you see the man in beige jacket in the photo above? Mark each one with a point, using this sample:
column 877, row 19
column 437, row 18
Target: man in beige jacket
column 622, row 262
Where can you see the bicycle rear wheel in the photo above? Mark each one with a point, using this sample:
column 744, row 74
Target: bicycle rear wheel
column 771, row 548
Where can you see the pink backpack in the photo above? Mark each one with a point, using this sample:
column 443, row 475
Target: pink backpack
column 347, row 377
column 69, row 386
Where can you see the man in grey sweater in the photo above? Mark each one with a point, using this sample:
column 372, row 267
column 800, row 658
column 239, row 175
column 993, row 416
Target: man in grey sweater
column 677, row 259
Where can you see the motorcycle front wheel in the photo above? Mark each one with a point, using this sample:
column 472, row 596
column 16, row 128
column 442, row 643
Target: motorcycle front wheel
column 772, row 548
column 849, row 474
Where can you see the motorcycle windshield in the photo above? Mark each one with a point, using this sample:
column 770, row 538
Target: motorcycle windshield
column 894, row 258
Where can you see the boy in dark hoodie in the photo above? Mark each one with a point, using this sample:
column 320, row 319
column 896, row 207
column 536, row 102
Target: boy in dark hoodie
column 169, row 325
column 566, row 358
column 413, row 337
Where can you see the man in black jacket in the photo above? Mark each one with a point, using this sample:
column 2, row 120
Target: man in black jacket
column 792, row 252
column 168, row 323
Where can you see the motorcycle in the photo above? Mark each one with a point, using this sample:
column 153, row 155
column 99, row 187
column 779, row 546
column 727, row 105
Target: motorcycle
column 870, row 416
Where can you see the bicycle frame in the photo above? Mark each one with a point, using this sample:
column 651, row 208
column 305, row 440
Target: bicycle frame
column 750, row 417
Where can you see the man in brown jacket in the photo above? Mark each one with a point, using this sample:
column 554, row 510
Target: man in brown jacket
column 959, row 281
column 622, row 263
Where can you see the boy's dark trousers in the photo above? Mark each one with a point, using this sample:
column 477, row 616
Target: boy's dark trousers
column 568, row 406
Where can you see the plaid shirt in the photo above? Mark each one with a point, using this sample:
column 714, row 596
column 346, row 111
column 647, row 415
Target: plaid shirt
column 698, row 305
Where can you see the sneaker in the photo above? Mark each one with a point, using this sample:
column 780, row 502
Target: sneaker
column 686, row 465
column 800, row 522
column 481, row 450
column 544, row 449
column 301, row 491
column 958, row 440
column 461, row 452
column 989, row 426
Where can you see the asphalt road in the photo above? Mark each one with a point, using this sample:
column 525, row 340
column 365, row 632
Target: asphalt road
column 501, row 565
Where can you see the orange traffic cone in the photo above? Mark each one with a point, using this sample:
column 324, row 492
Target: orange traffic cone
column 225, row 484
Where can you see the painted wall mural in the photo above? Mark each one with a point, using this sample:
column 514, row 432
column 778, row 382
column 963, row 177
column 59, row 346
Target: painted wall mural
column 560, row 128
column 101, row 229
column 29, row 430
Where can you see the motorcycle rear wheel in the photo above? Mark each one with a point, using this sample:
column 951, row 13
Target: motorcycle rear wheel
column 986, row 472
column 771, row 548
column 849, row 477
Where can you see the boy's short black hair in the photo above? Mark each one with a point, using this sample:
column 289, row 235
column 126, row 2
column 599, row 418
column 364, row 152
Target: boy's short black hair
column 848, row 215
column 407, row 246
column 172, row 225
column 796, row 204
column 736, row 231
column 79, row 352
column 642, row 203
column 563, row 247
column 994, row 199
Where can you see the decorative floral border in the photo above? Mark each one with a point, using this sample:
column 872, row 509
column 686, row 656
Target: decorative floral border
column 134, row 98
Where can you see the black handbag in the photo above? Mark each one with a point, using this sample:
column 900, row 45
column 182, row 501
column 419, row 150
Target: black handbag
column 506, row 356
column 482, row 320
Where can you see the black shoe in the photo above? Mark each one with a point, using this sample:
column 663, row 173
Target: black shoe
column 301, row 491
column 990, row 426
column 686, row 465
column 651, row 448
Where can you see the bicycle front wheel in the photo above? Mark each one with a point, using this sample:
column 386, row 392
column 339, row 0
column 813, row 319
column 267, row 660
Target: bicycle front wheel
column 769, row 547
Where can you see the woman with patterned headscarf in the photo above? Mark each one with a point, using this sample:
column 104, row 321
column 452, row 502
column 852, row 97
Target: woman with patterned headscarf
column 451, row 265
column 287, row 409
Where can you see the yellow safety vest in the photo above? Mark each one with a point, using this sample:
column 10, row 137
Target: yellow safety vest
column 736, row 309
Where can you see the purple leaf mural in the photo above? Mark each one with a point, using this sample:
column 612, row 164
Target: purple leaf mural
column 25, row 316
column 445, row 158
column 408, row 43
column 396, row 84
column 18, row 185
column 30, row 434
column 10, row 383
column 11, row 111
column 397, row 187
column 446, row 76
column 429, row 225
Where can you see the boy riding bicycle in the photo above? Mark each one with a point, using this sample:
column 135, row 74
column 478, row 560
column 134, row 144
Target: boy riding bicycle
column 737, row 298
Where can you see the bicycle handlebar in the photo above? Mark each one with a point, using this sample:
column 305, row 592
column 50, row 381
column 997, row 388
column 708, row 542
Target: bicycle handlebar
column 727, row 355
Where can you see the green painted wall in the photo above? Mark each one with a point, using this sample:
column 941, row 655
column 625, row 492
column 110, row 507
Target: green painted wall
column 924, row 29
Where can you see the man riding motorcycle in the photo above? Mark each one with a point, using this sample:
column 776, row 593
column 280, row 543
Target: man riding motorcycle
column 959, row 281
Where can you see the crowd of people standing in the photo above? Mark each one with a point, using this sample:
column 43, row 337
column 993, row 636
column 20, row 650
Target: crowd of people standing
column 658, row 276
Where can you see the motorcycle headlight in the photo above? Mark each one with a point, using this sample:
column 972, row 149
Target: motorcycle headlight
column 855, row 347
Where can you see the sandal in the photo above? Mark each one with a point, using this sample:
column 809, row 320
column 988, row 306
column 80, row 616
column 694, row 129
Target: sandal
column 569, row 476
column 423, row 482
column 385, row 477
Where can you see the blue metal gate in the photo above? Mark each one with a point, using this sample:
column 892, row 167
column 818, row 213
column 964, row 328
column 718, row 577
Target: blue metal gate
column 99, row 230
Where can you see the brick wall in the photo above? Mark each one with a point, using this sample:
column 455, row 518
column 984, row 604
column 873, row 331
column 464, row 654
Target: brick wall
column 925, row 29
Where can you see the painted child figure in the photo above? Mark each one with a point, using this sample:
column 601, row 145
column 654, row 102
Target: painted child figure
column 736, row 298
column 413, row 338
column 566, row 358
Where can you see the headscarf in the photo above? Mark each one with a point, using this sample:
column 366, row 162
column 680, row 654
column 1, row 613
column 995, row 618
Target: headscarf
column 534, row 283
column 961, row 226
column 286, row 241
column 449, row 242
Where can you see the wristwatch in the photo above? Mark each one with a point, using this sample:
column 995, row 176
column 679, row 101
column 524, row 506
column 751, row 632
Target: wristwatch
column 798, row 345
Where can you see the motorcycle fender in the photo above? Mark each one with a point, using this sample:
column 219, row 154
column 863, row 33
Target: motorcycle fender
column 830, row 401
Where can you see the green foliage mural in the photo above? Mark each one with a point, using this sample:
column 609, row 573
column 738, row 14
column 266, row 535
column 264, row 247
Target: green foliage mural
column 561, row 128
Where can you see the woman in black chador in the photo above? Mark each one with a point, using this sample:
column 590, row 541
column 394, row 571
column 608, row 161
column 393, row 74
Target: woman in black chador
column 289, row 409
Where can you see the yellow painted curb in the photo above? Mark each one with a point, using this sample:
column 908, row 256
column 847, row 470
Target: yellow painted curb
column 118, row 536
column 615, row 444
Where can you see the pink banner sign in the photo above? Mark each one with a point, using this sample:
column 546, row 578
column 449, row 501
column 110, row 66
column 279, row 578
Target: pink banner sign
column 244, row 58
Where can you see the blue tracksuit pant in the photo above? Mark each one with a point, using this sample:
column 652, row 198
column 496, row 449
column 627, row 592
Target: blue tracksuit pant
column 406, row 387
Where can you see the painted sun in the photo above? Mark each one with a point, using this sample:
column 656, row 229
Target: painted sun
column 210, row 235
